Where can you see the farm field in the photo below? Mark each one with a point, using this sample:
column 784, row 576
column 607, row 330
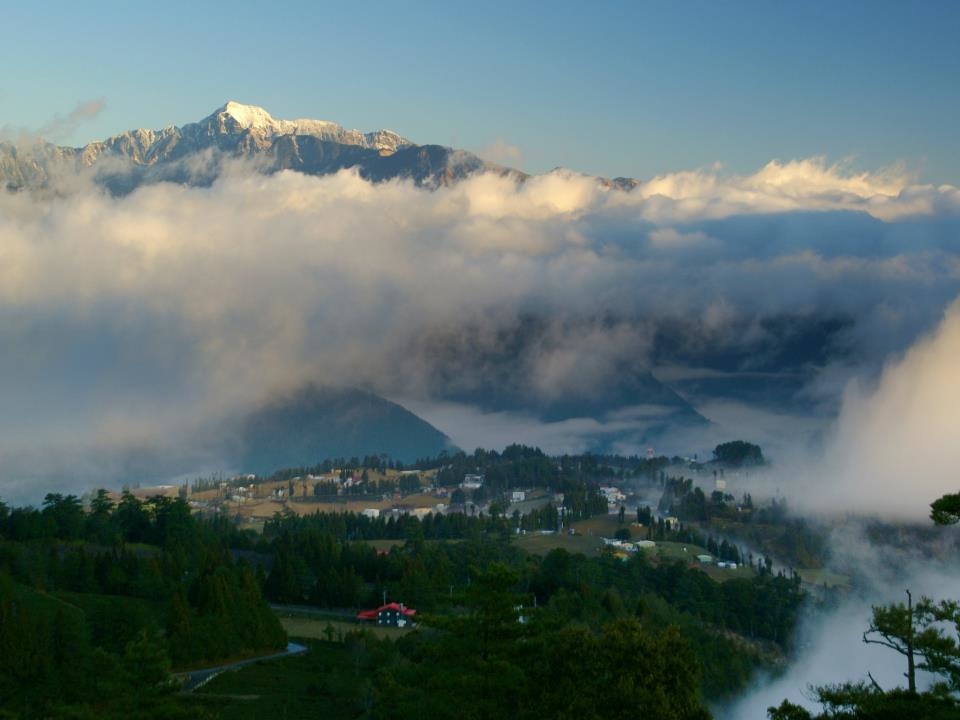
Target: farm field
column 266, row 508
column 606, row 526
column 416, row 500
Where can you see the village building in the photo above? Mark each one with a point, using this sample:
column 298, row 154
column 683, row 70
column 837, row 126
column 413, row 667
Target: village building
column 392, row 615
column 614, row 497
column 472, row 482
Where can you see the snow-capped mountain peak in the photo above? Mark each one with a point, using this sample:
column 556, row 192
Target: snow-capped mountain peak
column 233, row 117
column 248, row 116
column 237, row 130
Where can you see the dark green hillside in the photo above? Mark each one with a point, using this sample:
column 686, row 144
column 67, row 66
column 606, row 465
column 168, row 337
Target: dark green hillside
column 493, row 371
column 325, row 683
column 319, row 422
column 98, row 605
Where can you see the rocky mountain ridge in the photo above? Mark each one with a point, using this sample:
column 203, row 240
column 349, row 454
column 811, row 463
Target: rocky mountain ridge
column 194, row 153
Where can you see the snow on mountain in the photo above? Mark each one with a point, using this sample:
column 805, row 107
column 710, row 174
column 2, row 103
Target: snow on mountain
column 256, row 118
column 193, row 154
column 234, row 116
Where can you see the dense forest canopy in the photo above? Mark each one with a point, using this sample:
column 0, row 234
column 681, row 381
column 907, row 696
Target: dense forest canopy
column 102, row 599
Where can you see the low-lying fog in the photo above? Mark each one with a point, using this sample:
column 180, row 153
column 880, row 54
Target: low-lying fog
column 830, row 647
column 136, row 322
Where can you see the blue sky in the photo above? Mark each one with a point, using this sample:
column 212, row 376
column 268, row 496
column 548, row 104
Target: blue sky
column 609, row 88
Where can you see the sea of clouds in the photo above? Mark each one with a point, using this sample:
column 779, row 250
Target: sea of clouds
column 135, row 321
column 133, row 324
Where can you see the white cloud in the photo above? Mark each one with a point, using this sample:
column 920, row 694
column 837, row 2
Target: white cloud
column 895, row 447
column 808, row 184
column 134, row 312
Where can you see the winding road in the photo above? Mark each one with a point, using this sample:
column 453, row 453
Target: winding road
column 194, row 679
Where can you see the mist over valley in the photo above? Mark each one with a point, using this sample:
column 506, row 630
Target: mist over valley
column 619, row 379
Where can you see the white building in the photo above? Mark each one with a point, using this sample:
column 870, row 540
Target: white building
column 472, row 482
column 614, row 496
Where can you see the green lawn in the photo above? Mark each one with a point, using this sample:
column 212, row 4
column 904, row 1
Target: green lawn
column 675, row 551
column 587, row 540
column 670, row 551
column 537, row 544
column 384, row 545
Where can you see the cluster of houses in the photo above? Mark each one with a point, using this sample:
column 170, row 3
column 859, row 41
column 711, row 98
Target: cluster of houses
column 398, row 512
column 614, row 497
column 354, row 478
column 624, row 548
column 243, row 490
column 709, row 560
column 628, row 546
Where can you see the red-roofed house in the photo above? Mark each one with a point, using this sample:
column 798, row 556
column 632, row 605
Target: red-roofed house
column 395, row 614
